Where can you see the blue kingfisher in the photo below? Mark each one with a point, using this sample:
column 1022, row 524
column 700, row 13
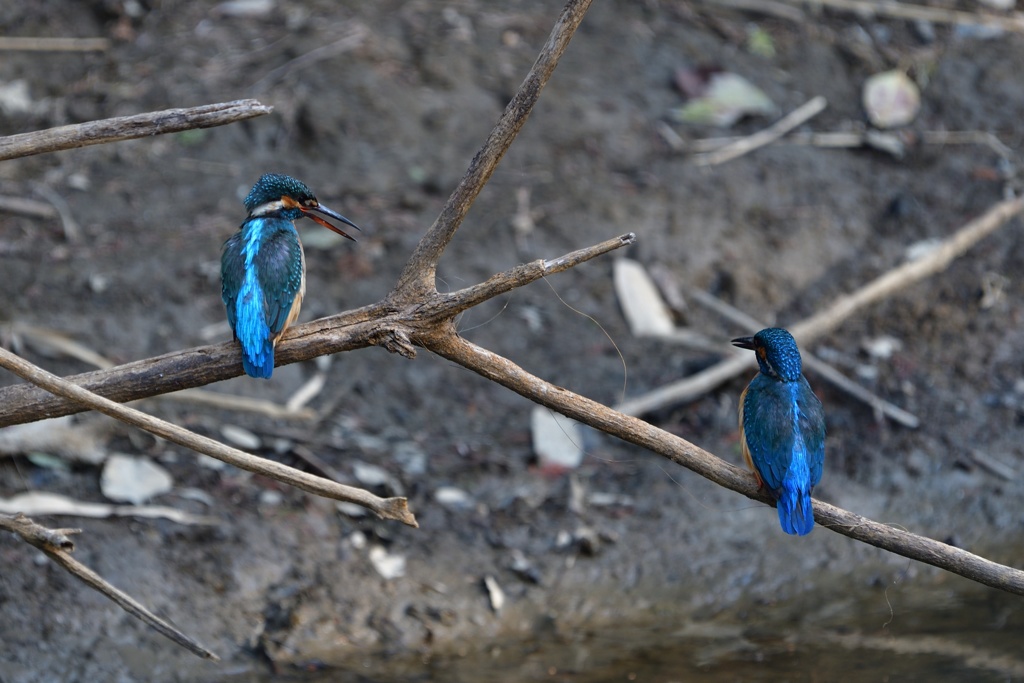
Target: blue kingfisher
column 263, row 269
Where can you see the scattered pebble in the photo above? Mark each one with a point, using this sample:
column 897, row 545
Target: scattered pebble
column 210, row 463
column 271, row 497
column 387, row 565
column 604, row 499
column 454, row 498
column 350, row 509
column 15, row 98
column 557, row 440
column 921, row 249
column 242, row 438
column 370, row 475
column 522, row 566
column 410, row 457
column 494, row 592
column 244, row 8
column 134, row 480
column 891, row 99
column 883, row 347
column 357, row 539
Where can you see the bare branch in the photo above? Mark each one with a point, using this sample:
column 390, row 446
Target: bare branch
column 378, row 324
column 417, row 279
column 387, row 508
column 128, row 128
column 58, row 547
column 867, row 8
column 39, row 44
column 682, row 452
column 827, row 320
column 456, row 302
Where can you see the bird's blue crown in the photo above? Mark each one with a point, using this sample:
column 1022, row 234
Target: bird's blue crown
column 777, row 354
column 271, row 187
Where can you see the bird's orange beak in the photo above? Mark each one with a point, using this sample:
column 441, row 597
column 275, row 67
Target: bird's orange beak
column 312, row 211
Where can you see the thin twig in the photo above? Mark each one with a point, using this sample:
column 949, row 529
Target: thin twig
column 58, row 547
column 899, row 10
column 825, row 321
column 34, row 44
column 128, row 128
column 745, row 145
column 27, row 207
column 418, row 277
column 887, row 142
column 820, row 367
column 886, row 8
column 355, row 36
column 247, row 404
column 682, row 452
column 72, row 231
column 387, row 508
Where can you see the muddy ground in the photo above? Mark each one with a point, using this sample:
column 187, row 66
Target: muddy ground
column 382, row 127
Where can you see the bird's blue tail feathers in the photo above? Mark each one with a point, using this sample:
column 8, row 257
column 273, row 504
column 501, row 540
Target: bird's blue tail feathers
column 795, row 512
column 260, row 364
column 252, row 330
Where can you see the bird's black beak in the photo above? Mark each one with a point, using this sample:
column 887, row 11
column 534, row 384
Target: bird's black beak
column 744, row 342
column 312, row 211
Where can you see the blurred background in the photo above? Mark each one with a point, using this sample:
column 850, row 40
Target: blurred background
column 611, row 563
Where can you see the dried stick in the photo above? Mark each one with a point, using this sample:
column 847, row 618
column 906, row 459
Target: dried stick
column 32, row 44
column 386, row 508
column 128, row 127
column 27, row 207
column 239, row 403
column 355, row 37
column 898, row 10
column 378, row 324
column 736, row 149
column 58, row 547
column 825, row 321
column 418, row 277
column 887, row 142
column 823, row 369
column 636, row 431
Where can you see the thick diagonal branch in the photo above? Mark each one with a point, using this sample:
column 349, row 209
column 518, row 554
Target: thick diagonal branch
column 503, row 371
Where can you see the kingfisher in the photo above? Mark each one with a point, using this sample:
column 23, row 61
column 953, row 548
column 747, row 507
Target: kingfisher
column 782, row 428
column 263, row 269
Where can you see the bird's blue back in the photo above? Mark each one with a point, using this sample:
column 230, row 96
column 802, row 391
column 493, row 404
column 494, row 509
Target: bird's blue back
column 262, row 270
column 782, row 426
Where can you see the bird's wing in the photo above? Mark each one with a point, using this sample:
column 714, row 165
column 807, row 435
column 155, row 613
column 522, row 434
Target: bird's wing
column 279, row 270
column 768, row 429
column 812, row 427
column 232, row 269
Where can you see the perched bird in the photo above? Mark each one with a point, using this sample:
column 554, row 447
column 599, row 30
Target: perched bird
column 782, row 427
column 263, row 269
